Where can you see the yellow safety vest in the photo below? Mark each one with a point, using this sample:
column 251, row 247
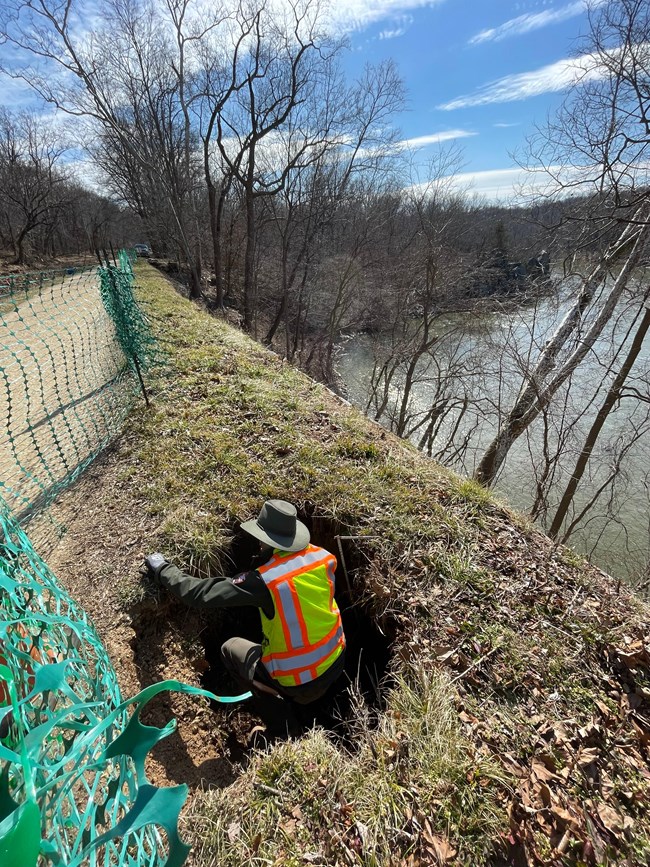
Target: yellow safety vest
column 305, row 636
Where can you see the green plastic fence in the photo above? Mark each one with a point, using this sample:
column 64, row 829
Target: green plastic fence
column 72, row 345
column 73, row 790
column 72, row 787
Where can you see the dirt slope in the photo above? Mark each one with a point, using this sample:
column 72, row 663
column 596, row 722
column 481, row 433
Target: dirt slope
column 502, row 712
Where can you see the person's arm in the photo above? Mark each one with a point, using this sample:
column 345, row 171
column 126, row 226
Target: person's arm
column 218, row 592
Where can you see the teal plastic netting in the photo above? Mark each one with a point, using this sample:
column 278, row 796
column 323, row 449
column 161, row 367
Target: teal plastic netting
column 131, row 325
column 73, row 346
column 73, row 788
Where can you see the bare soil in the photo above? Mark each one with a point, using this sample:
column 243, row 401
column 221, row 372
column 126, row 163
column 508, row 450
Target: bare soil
column 152, row 640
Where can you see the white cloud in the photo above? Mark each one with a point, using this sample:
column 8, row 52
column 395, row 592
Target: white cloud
column 400, row 26
column 392, row 34
column 532, row 21
column 347, row 15
column 518, row 185
column 16, row 94
column 499, row 185
column 435, row 138
column 506, row 125
column 495, row 185
column 420, row 141
column 548, row 79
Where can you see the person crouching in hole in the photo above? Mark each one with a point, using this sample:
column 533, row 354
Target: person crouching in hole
column 303, row 649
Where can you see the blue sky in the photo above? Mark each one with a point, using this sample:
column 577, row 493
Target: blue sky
column 477, row 72
column 484, row 69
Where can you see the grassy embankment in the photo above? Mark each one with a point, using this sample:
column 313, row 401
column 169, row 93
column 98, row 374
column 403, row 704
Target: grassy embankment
column 515, row 723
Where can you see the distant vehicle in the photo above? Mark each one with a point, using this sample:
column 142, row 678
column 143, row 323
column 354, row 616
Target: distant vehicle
column 143, row 250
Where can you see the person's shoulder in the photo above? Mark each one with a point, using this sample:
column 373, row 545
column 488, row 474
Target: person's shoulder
column 247, row 578
column 324, row 551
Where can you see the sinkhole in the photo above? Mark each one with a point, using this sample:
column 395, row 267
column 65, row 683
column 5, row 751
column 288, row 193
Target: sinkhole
column 368, row 645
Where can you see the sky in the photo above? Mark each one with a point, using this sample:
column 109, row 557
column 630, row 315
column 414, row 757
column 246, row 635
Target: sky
column 479, row 73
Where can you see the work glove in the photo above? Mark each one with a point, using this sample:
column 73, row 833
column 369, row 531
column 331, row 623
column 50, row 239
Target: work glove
column 153, row 565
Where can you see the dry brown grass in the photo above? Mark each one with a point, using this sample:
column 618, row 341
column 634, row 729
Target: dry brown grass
column 517, row 725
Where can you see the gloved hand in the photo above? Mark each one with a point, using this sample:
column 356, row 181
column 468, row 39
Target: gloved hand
column 153, row 565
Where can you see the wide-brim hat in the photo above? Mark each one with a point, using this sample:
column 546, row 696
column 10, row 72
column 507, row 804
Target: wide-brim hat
column 277, row 525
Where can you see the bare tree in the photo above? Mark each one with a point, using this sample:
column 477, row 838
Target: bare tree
column 423, row 376
column 547, row 375
column 599, row 142
column 33, row 183
column 286, row 60
column 604, row 127
column 219, row 78
column 353, row 150
column 119, row 76
column 612, row 398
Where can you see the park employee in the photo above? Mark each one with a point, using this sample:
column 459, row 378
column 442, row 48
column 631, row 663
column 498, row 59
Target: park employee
column 303, row 649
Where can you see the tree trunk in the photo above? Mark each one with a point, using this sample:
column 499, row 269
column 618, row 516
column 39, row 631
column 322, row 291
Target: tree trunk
column 193, row 263
column 268, row 340
column 196, row 290
column 611, row 399
column 538, row 392
column 216, row 246
column 249, row 259
column 216, row 210
column 19, row 245
column 297, row 337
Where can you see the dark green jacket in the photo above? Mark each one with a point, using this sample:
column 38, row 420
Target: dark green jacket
column 248, row 588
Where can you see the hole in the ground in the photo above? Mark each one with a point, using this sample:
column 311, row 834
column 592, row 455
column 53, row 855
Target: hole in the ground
column 368, row 653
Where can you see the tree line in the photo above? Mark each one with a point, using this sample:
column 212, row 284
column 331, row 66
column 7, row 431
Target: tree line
column 231, row 132
column 283, row 189
column 44, row 211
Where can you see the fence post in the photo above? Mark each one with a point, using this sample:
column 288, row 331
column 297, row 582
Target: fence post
column 118, row 296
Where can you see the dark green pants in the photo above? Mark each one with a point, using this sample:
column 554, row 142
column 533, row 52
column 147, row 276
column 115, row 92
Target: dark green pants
column 243, row 659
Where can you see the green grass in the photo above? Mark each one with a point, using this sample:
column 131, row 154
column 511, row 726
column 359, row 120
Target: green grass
column 243, row 426
column 500, row 637
column 414, row 771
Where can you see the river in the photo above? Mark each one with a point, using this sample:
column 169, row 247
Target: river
column 489, row 351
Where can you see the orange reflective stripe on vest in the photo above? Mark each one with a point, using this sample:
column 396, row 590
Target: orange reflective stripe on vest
column 305, row 636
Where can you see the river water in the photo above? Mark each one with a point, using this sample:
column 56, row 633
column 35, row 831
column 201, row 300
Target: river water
column 490, row 350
